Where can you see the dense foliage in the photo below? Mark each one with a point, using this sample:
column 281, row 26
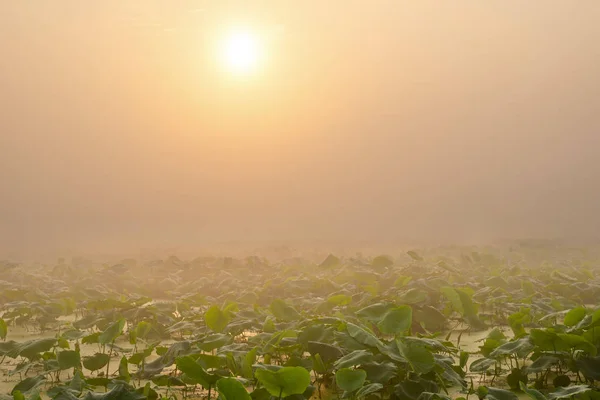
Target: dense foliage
column 355, row 328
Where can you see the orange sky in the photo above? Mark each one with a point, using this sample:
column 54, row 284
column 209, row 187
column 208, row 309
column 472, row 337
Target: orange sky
column 382, row 119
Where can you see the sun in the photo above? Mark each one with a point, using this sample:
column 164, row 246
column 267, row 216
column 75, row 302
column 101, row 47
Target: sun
column 241, row 52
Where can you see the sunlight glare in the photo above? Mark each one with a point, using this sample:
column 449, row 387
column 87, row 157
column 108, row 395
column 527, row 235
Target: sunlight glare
column 241, row 52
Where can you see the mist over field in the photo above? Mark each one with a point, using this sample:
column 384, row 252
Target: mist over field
column 299, row 200
column 369, row 124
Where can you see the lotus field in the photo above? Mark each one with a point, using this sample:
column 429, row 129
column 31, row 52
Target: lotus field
column 427, row 324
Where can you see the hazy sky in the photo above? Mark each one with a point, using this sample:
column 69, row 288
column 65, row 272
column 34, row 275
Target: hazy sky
column 368, row 120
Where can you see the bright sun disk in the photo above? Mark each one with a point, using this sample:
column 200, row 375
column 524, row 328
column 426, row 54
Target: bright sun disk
column 241, row 52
